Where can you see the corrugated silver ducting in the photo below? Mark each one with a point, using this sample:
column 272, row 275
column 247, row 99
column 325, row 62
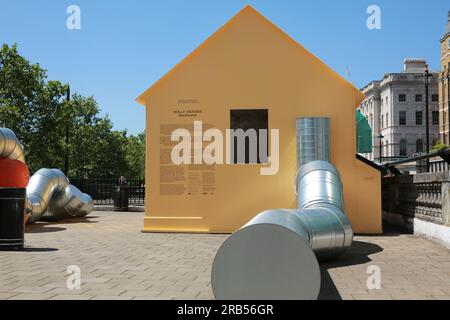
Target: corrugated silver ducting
column 10, row 147
column 272, row 257
column 49, row 192
column 320, row 200
column 51, row 195
column 319, row 182
column 43, row 185
column 313, row 139
column 70, row 203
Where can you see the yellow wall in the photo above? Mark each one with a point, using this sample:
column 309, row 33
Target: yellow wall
column 251, row 64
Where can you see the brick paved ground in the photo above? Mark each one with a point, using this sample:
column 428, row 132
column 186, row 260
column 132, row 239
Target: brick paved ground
column 117, row 261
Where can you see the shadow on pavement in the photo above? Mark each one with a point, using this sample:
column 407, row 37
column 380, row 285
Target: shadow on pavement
column 42, row 228
column 328, row 290
column 358, row 253
column 390, row 229
column 28, row 249
column 73, row 220
column 50, row 226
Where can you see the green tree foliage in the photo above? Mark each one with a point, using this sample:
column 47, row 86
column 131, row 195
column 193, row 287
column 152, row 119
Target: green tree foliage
column 438, row 146
column 38, row 112
column 135, row 156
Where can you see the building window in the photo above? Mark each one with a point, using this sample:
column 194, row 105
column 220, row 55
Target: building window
column 387, row 101
column 435, row 98
column 402, row 118
column 382, row 121
column 418, row 117
column 402, row 147
column 435, row 116
column 246, row 120
column 402, row 97
column 386, row 149
column 387, row 119
column 419, row 145
column 418, row 98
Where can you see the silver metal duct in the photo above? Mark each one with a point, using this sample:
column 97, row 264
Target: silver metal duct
column 270, row 258
column 51, row 195
column 10, row 147
column 274, row 256
column 313, row 139
column 70, row 203
column 320, row 200
column 49, row 192
column 43, row 185
column 319, row 182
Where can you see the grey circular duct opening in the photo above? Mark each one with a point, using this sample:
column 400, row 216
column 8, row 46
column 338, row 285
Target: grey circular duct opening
column 265, row 262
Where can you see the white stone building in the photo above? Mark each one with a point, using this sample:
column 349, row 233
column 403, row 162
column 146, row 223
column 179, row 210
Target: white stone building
column 395, row 107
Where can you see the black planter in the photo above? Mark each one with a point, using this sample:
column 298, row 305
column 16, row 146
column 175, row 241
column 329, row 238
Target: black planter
column 121, row 198
column 12, row 207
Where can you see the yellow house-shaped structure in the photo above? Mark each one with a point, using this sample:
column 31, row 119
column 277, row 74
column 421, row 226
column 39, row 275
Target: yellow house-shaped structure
column 248, row 64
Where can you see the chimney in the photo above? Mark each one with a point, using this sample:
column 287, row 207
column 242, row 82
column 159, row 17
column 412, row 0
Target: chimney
column 410, row 64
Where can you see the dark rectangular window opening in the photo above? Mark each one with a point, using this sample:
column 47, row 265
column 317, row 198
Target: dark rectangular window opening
column 402, row 118
column 418, row 117
column 245, row 119
column 435, row 98
column 402, row 97
column 435, row 116
column 418, row 98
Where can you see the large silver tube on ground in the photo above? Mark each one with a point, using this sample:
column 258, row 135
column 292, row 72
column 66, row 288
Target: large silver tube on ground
column 70, row 203
column 49, row 192
column 274, row 255
column 43, row 185
column 320, row 203
column 10, row 146
column 50, row 195
column 270, row 258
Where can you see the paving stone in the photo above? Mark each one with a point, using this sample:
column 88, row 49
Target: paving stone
column 6, row 295
column 112, row 298
column 72, row 297
column 143, row 293
column 37, row 289
column 412, row 297
column 118, row 261
column 31, row 296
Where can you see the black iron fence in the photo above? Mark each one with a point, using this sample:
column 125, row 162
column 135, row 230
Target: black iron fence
column 423, row 162
column 103, row 191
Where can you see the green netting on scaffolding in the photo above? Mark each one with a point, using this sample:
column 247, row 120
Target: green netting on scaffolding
column 363, row 134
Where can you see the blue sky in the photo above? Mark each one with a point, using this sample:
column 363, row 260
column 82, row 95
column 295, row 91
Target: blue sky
column 125, row 46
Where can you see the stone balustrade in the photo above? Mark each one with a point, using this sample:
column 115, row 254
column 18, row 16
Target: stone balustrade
column 423, row 196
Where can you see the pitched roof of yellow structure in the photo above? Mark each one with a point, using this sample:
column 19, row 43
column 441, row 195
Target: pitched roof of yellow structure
column 247, row 10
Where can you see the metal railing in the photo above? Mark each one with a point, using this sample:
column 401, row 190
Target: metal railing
column 444, row 154
column 103, row 191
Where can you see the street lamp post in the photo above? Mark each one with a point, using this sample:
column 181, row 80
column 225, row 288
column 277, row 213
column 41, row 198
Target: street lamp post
column 380, row 136
column 427, row 77
column 66, row 155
